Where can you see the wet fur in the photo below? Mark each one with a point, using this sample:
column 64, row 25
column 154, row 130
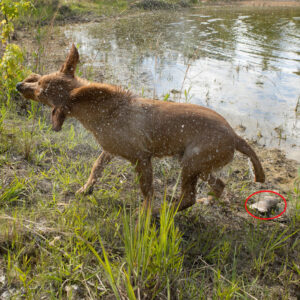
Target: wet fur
column 138, row 129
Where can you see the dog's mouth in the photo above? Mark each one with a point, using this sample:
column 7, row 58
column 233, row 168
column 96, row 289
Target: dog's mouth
column 22, row 88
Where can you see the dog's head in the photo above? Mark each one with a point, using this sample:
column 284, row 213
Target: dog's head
column 53, row 89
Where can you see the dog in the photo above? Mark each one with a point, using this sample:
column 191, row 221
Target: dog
column 138, row 129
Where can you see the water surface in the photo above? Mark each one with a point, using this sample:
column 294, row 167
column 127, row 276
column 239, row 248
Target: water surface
column 242, row 62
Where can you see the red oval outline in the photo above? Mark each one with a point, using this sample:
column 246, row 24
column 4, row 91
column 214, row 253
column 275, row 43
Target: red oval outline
column 266, row 191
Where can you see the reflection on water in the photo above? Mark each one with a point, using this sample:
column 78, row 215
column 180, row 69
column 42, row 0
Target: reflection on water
column 242, row 62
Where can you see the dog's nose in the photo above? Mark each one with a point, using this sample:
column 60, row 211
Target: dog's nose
column 18, row 86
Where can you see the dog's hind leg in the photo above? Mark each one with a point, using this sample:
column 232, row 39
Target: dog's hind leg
column 188, row 189
column 144, row 169
column 216, row 184
column 96, row 172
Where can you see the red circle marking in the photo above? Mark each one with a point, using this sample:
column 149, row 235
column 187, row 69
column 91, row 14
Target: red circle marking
column 266, row 191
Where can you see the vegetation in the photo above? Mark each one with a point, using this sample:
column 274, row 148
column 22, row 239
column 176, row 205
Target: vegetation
column 56, row 245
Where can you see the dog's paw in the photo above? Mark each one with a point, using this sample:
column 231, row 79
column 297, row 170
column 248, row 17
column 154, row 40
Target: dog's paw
column 206, row 200
column 85, row 190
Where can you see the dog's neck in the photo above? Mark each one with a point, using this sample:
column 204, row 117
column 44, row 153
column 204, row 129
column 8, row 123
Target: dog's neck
column 101, row 98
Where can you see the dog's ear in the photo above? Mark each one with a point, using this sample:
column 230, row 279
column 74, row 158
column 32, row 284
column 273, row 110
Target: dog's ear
column 69, row 66
column 58, row 116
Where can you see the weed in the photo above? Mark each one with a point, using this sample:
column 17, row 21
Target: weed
column 14, row 192
column 12, row 71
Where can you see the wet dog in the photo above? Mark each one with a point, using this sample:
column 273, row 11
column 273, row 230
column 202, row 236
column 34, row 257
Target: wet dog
column 138, row 129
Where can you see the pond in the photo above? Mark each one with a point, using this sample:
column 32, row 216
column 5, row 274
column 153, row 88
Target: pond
column 242, row 62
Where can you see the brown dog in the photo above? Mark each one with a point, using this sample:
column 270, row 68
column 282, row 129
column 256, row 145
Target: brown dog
column 138, row 129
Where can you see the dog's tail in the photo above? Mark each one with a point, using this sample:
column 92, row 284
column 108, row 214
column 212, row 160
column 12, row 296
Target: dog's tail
column 242, row 146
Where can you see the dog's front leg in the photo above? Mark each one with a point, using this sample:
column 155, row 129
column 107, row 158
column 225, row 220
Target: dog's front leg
column 96, row 172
